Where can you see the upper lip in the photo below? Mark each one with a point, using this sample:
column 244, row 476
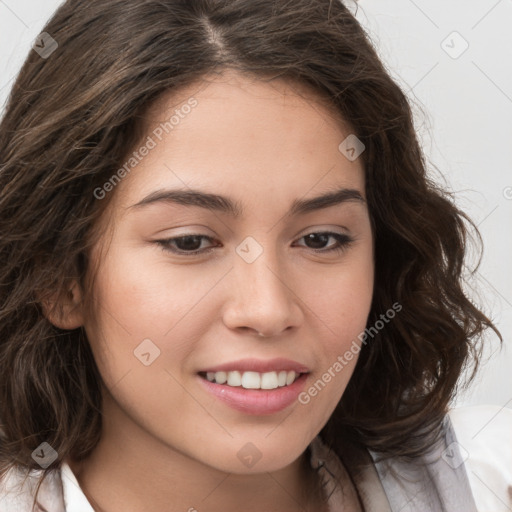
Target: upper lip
column 259, row 365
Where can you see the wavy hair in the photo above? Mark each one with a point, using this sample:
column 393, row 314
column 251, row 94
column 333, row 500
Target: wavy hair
column 72, row 117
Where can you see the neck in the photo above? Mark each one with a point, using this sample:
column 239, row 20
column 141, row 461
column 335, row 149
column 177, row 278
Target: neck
column 130, row 470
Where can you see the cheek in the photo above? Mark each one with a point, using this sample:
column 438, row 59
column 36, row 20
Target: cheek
column 139, row 299
column 341, row 306
column 342, row 297
column 140, row 335
column 149, row 296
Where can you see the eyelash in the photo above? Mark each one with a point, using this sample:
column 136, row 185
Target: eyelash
column 343, row 242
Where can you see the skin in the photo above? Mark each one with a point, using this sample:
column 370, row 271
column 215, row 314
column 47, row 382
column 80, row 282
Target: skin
column 165, row 439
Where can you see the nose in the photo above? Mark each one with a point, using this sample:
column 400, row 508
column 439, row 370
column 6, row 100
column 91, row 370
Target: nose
column 262, row 298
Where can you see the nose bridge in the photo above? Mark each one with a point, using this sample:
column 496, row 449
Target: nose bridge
column 262, row 278
column 263, row 299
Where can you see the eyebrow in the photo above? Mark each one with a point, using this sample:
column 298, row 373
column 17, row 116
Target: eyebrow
column 223, row 204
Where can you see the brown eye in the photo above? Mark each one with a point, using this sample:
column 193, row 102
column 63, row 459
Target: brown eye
column 187, row 244
column 317, row 241
column 190, row 245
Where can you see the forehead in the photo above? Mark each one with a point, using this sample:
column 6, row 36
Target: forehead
column 243, row 88
column 247, row 138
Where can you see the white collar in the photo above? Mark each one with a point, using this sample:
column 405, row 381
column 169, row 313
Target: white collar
column 74, row 498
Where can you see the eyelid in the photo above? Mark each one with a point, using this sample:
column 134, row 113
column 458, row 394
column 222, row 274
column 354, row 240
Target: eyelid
column 326, row 229
column 311, row 230
column 339, row 246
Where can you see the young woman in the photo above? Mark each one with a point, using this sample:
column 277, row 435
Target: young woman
column 226, row 280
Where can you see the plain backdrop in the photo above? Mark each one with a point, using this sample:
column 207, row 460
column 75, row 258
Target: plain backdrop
column 454, row 61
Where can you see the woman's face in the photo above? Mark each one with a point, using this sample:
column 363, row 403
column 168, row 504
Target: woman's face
column 169, row 315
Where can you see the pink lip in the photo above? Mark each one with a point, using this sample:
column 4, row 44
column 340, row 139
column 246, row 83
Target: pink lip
column 256, row 401
column 260, row 366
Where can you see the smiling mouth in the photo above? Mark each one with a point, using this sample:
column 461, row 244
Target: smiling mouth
column 253, row 380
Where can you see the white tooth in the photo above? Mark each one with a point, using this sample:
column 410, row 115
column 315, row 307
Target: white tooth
column 210, row 376
column 221, row 377
column 251, row 380
column 290, row 377
column 269, row 380
column 234, row 379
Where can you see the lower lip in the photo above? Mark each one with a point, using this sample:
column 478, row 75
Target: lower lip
column 256, row 401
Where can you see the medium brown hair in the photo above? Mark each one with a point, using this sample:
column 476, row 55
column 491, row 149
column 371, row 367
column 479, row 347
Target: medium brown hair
column 72, row 117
